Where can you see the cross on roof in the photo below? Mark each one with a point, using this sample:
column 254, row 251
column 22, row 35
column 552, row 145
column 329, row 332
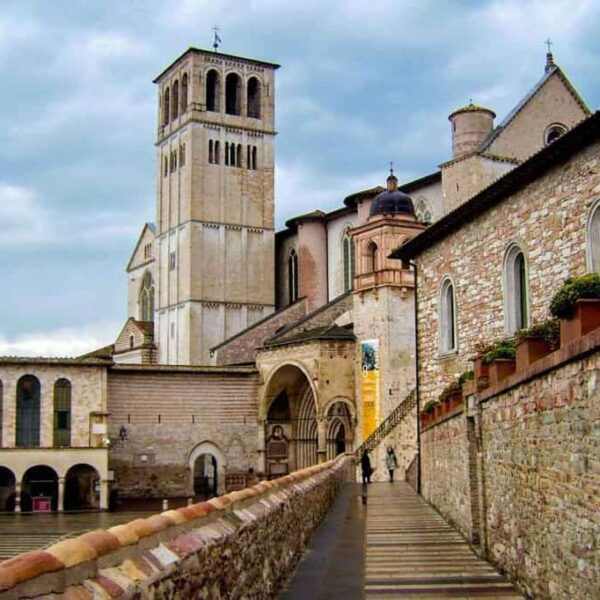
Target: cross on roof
column 216, row 39
column 549, row 43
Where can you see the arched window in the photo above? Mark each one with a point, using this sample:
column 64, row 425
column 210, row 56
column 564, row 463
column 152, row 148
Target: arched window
column 166, row 106
column 62, row 413
column 371, row 258
column 175, row 101
column 131, row 342
column 516, row 309
column 184, row 93
column 211, row 152
column 232, row 94
column 254, row 153
column 593, row 238
column 217, row 155
column 447, row 317
column 226, row 153
column 293, row 276
column 212, row 91
column 166, row 168
column 232, row 155
column 553, row 132
column 238, row 158
column 254, row 98
column 28, row 412
column 147, row 298
column 348, row 251
column 423, row 211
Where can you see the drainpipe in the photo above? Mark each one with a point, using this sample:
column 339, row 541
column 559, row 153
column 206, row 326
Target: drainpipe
column 417, row 390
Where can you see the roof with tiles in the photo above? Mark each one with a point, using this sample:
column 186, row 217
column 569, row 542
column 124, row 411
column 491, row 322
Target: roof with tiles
column 45, row 360
column 330, row 332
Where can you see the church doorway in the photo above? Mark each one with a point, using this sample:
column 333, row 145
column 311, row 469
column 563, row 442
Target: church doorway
column 39, row 489
column 7, row 490
column 205, row 476
column 291, row 432
column 339, row 430
column 82, row 491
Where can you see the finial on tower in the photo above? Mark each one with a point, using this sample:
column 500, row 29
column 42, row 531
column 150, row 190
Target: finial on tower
column 549, row 57
column 392, row 180
column 216, row 39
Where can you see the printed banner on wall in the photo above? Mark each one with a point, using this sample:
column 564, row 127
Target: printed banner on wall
column 369, row 386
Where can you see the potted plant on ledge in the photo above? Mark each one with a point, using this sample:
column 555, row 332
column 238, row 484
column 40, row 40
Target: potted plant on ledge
column 537, row 341
column 451, row 396
column 501, row 360
column 577, row 305
column 427, row 412
column 467, row 382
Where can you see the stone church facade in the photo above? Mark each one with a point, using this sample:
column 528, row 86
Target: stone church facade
column 247, row 348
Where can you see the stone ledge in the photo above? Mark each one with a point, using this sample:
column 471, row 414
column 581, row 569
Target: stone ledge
column 584, row 346
column 241, row 532
column 453, row 413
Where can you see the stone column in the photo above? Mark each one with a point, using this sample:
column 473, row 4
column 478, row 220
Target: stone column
column 61, row 494
column 262, row 463
column 104, row 494
column 322, row 439
column 18, row 496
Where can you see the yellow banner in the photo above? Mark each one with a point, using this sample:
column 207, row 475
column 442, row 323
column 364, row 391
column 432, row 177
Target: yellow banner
column 370, row 386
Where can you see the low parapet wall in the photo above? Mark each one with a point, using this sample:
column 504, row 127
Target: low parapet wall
column 243, row 544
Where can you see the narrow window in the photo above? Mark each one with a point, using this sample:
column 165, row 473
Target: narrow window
column 217, row 153
column 166, row 106
column 447, row 317
column 293, row 276
column 248, row 157
column 28, row 412
column 166, row 168
column 254, row 153
column 147, row 297
column 131, row 342
column 232, row 94
column 211, row 152
column 172, row 261
column 184, row 93
column 593, row 238
column 348, row 251
column 254, row 98
column 516, row 310
column 212, row 91
column 175, row 101
column 371, row 258
column 182, row 155
column 232, row 155
column 238, row 158
column 62, row 413
column 226, row 153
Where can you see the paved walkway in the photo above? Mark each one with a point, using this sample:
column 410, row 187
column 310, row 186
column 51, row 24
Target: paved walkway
column 23, row 532
column 400, row 548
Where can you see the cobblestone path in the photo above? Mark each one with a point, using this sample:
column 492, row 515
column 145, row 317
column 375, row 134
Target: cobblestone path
column 412, row 552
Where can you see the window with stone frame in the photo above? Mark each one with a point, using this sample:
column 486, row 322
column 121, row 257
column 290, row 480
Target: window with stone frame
column 553, row 132
column 516, row 305
column 292, row 276
column 62, row 413
column 181, row 155
column 348, row 253
column 172, row 261
column 593, row 238
column 253, row 102
column 184, row 93
column 28, row 412
column 448, row 339
column 175, row 101
column 423, row 211
column 166, row 107
column 147, row 297
column 233, row 85
column 371, row 257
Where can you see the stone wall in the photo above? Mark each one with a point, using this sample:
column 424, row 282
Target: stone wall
column 242, row 347
column 547, row 218
column 526, row 458
column 244, row 544
column 170, row 414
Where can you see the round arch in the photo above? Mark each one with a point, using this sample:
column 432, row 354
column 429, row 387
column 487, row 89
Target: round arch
column 220, row 463
column 81, row 488
column 8, row 482
column 39, row 482
column 344, row 400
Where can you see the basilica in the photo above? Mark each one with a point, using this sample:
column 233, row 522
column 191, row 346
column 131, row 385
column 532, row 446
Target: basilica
column 253, row 351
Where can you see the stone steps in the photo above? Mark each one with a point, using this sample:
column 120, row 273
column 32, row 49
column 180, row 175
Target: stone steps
column 411, row 552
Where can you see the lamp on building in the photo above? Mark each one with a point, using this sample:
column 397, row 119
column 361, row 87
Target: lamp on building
column 123, row 433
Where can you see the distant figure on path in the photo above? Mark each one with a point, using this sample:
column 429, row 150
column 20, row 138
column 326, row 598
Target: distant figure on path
column 365, row 466
column 391, row 462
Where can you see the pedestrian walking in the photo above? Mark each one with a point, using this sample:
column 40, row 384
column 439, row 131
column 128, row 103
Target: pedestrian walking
column 391, row 462
column 365, row 466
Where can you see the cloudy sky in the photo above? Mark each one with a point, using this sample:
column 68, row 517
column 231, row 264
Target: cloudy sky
column 361, row 83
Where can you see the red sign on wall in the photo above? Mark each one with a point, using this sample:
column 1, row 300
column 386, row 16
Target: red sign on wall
column 42, row 504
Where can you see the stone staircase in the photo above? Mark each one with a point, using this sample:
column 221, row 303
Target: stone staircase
column 388, row 424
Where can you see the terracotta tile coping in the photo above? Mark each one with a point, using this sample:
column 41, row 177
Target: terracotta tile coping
column 91, row 545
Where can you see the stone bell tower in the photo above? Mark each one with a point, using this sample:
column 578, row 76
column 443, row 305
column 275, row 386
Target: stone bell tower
column 383, row 305
column 215, row 204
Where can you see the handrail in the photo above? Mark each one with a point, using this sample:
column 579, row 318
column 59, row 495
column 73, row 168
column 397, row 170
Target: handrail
column 389, row 423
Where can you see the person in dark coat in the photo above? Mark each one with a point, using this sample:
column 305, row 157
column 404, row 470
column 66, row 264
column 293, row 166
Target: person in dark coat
column 365, row 467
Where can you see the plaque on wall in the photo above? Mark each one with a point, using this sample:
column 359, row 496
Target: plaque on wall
column 277, row 444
